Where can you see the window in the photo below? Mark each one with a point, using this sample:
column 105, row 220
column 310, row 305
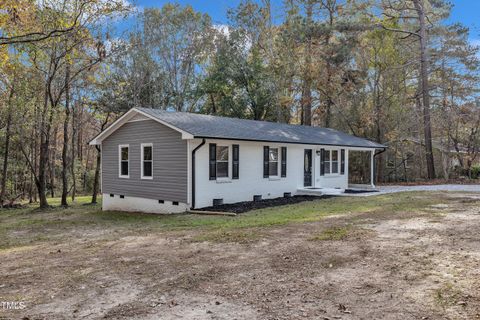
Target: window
column 222, row 161
column 334, row 161
column 147, row 161
column 327, row 161
column 123, row 157
column 273, row 162
column 331, row 162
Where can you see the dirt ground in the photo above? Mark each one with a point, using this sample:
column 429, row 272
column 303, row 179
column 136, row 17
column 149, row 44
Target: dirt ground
column 422, row 264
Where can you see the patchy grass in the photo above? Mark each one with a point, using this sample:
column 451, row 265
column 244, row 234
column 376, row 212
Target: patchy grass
column 447, row 295
column 27, row 226
column 350, row 232
column 226, row 236
column 337, row 233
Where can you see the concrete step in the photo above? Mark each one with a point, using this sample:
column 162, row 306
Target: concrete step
column 319, row 191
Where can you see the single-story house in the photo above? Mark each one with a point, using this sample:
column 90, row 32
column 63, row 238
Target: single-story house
column 165, row 162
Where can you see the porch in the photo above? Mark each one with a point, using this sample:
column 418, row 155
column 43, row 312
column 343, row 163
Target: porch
column 358, row 175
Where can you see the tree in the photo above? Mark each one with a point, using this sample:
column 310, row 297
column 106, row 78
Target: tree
column 424, row 86
column 50, row 56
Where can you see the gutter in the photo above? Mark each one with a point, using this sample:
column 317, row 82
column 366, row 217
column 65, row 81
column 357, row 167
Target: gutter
column 193, row 172
column 381, row 151
column 296, row 142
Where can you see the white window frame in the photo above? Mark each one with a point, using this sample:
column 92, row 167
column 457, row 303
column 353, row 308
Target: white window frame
column 229, row 165
column 120, row 146
column 279, row 161
column 142, row 161
column 330, row 161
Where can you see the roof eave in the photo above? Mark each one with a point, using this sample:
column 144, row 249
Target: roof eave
column 291, row 142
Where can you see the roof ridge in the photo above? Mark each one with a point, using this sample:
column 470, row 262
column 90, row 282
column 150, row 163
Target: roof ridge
column 232, row 118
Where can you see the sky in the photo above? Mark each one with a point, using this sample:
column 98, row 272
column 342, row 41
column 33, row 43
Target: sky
column 466, row 12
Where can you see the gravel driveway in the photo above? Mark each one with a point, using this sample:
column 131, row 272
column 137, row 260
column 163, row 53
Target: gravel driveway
column 440, row 187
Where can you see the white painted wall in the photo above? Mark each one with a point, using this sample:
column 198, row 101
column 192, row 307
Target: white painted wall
column 331, row 180
column 251, row 181
column 135, row 204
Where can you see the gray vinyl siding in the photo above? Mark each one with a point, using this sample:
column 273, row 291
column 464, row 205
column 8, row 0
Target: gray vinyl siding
column 169, row 162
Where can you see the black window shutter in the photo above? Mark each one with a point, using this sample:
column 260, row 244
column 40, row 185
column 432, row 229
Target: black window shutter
column 284, row 162
column 266, row 154
column 342, row 161
column 213, row 161
column 322, row 162
column 236, row 160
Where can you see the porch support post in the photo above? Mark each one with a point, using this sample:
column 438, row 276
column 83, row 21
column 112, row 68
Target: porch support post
column 372, row 168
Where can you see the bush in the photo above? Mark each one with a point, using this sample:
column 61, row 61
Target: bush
column 475, row 171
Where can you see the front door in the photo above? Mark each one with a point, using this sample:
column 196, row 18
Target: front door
column 307, row 171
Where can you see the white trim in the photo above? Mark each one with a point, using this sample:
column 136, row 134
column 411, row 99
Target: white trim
column 101, row 167
column 137, row 120
column 185, row 135
column 114, row 126
column 120, row 146
column 330, row 161
column 372, row 168
column 138, row 117
column 142, row 145
column 229, row 167
column 189, row 172
column 277, row 176
column 125, row 118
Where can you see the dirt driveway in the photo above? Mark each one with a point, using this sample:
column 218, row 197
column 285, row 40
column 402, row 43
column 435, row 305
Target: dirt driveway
column 370, row 264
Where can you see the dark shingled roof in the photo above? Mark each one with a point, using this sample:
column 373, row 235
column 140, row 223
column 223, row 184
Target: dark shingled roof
column 206, row 126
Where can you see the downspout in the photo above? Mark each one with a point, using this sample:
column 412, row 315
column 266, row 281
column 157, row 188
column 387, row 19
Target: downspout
column 193, row 172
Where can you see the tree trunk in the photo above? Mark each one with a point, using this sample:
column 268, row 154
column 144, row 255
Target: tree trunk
column 65, row 139
column 98, row 165
column 7, row 144
column 45, row 129
column 97, row 176
column 72, row 156
column 425, row 89
column 328, row 84
column 42, row 166
column 307, row 81
column 52, row 162
column 378, row 122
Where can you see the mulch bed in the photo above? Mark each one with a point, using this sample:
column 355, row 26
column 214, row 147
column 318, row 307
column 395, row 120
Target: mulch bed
column 354, row 191
column 245, row 206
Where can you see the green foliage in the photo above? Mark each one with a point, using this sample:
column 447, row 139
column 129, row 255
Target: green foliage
column 475, row 171
column 337, row 233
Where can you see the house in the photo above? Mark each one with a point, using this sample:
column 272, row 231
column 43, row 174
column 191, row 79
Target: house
column 166, row 162
column 405, row 160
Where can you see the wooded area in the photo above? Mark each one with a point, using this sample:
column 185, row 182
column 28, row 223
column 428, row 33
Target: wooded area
column 386, row 70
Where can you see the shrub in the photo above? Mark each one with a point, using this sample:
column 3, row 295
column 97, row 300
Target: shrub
column 475, row 171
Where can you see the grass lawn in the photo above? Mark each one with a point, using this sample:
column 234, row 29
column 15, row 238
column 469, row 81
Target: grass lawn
column 36, row 225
